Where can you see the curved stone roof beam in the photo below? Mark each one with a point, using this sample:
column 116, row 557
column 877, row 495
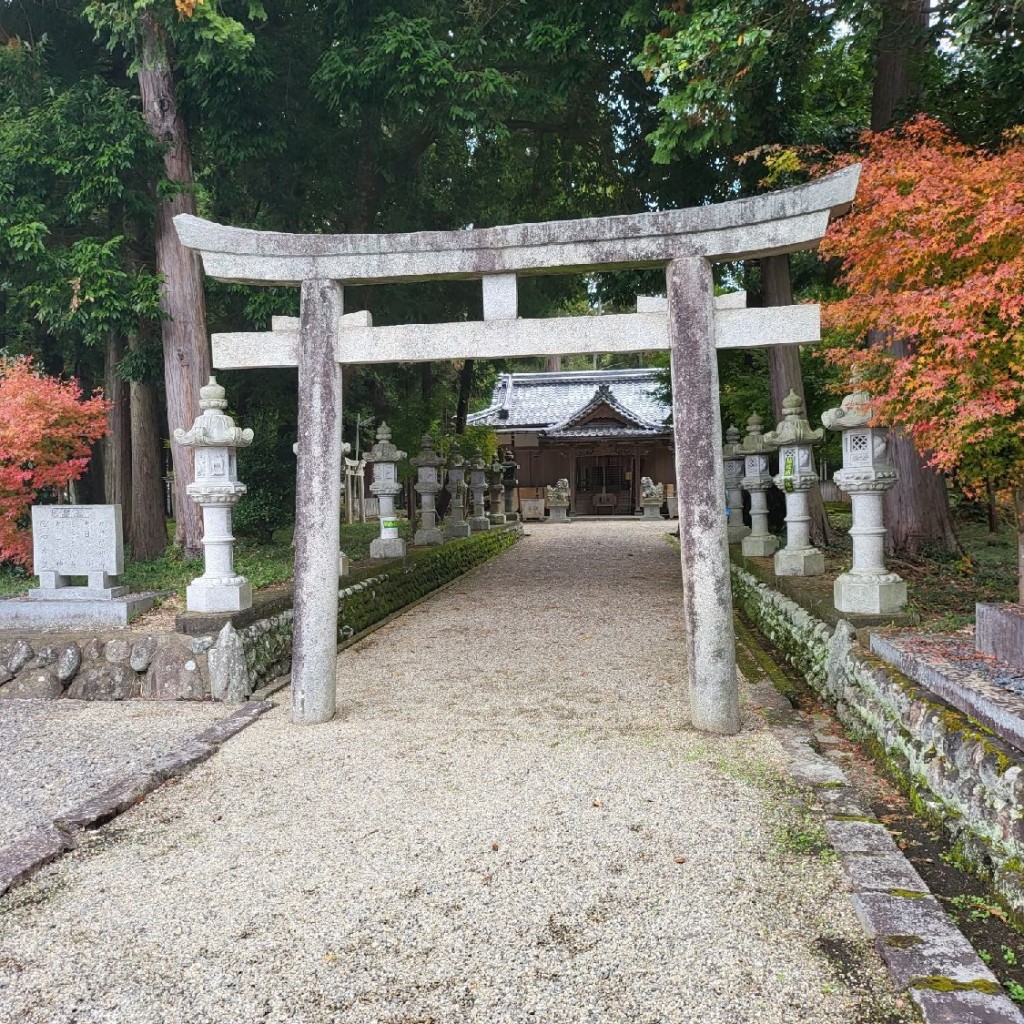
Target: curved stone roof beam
column 765, row 225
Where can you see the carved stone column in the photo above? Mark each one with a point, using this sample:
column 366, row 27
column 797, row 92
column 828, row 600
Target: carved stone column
column 216, row 490
column 428, row 464
column 384, row 457
column 496, row 473
column 795, row 440
column 732, row 461
column 510, row 482
column 867, row 473
column 757, row 480
column 457, row 525
column 478, row 484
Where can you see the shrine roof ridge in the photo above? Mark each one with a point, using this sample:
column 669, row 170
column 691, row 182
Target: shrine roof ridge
column 776, row 222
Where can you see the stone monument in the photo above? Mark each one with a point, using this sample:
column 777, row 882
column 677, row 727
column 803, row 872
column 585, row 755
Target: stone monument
column 558, row 501
column 384, row 457
column 651, row 498
column 795, row 439
column 733, row 461
column 867, row 473
column 75, row 540
column 510, row 482
column 757, row 480
column 457, row 525
column 216, row 490
column 478, row 484
column 496, row 475
column 428, row 471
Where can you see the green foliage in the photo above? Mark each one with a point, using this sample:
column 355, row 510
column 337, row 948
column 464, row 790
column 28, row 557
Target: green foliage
column 267, row 468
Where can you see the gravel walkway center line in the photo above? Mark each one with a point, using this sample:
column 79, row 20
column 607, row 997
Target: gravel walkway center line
column 509, row 821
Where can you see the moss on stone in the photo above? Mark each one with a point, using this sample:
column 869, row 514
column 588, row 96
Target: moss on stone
column 902, row 941
column 907, row 894
column 941, row 983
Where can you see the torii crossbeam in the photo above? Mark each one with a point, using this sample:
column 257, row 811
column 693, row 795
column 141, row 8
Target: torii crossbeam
column 690, row 324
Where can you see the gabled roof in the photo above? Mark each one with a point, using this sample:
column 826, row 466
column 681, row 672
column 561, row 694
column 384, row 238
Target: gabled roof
column 588, row 403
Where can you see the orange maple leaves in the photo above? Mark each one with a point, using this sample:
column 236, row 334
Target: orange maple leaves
column 46, row 432
column 933, row 255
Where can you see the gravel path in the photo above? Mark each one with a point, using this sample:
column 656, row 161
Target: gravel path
column 510, row 821
column 54, row 754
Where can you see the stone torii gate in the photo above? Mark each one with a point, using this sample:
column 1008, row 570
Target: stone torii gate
column 684, row 242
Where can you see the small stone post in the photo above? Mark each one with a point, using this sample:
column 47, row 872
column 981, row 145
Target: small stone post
column 478, row 484
column 496, row 473
column 457, row 525
column 385, row 456
column 757, row 480
column 510, row 482
column 795, row 440
column 732, row 460
column 216, row 490
column 867, row 473
column 428, row 483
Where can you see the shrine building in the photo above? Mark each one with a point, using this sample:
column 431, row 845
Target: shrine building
column 602, row 430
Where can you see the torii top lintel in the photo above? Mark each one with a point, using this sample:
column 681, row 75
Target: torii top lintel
column 766, row 225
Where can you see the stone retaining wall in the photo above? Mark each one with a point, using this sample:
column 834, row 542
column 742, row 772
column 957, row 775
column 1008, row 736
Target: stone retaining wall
column 233, row 664
column 953, row 768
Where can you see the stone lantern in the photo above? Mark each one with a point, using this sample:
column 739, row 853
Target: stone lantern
column 795, row 440
column 867, row 473
column 384, row 457
column 510, row 482
column 216, row 490
column 478, row 484
column 495, row 477
column 757, row 480
column 428, row 483
column 733, row 460
column 457, row 525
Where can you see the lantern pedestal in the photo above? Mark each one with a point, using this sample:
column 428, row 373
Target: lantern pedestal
column 496, row 472
column 478, row 484
column 428, row 466
column 457, row 526
column 509, row 484
column 757, row 480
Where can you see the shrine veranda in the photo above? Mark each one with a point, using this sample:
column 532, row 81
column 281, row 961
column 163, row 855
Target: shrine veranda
column 691, row 326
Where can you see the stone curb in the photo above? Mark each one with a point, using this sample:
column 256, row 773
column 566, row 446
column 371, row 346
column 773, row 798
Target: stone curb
column 924, row 952
column 25, row 856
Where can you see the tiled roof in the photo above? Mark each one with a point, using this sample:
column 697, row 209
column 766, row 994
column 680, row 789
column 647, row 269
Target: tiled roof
column 554, row 401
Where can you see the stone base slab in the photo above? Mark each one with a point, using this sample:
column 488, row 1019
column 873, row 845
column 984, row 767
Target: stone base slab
column 652, row 511
column 76, row 593
column 395, row 547
column 455, row 530
column 225, row 597
column 737, row 533
column 559, row 514
column 867, row 595
column 799, row 562
column 999, row 633
column 479, row 523
column 759, row 547
column 18, row 613
column 497, row 518
column 511, row 517
column 428, row 537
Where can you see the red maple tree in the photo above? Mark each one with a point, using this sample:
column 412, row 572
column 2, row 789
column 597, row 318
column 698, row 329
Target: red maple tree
column 47, row 429
column 932, row 253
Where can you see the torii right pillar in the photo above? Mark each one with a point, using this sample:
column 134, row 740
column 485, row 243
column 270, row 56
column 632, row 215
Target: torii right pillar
column 703, row 541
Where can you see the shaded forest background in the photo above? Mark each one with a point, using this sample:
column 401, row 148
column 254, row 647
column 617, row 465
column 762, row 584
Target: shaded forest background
column 344, row 116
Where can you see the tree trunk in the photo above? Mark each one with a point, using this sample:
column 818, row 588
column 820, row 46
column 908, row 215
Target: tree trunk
column 902, row 40
column 553, row 364
column 785, row 376
column 185, row 345
column 117, row 450
column 1018, row 498
column 465, row 393
column 147, row 535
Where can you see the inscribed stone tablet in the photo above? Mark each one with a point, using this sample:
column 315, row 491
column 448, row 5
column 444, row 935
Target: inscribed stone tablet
column 75, row 540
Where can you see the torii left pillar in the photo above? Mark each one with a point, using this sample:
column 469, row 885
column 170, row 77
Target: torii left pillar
column 317, row 506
